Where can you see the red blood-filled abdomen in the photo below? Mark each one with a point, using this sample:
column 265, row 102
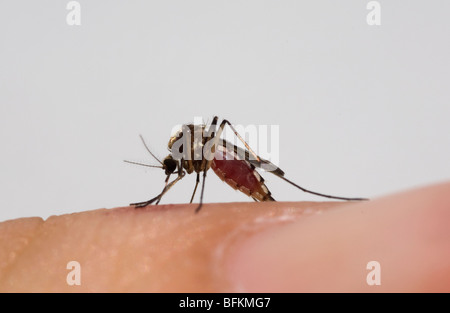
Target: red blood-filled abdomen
column 240, row 175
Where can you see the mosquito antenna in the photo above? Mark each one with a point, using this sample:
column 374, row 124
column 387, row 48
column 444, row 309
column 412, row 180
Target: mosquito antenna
column 146, row 147
column 320, row 194
column 142, row 164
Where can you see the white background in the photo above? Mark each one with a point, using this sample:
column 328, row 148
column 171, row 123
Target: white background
column 362, row 110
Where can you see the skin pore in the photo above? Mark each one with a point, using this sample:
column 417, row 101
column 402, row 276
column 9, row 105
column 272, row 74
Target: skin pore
column 227, row 247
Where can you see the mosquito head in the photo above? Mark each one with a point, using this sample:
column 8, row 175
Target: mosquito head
column 169, row 164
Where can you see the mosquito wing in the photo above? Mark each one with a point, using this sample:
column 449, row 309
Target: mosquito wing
column 243, row 154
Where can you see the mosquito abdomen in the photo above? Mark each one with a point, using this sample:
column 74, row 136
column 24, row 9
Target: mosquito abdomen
column 241, row 175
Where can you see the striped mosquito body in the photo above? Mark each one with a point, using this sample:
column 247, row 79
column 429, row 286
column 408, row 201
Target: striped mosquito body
column 197, row 148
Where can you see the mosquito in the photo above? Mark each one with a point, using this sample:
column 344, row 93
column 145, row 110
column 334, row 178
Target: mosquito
column 234, row 165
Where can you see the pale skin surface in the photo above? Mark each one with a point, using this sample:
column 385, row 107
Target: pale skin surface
column 270, row 247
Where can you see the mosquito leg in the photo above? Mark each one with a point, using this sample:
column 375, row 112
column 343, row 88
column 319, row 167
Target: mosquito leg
column 166, row 188
column 195, row 189
column 166, row 182
column 212, row 128
column 216, row 139
column 212, row 137
column 255, row 159
column 210, row 134
column 241, row 139
column 158, row 197
column 321, row 194
column 170, row 186
column 139, row 205
column 212, row 141
column 201, row 193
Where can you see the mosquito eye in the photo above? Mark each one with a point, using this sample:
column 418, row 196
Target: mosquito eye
column 170, row 165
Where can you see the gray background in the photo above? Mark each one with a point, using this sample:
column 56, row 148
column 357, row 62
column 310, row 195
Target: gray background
column 363, row 110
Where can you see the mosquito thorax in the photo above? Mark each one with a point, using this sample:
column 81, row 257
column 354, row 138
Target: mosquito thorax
column 191, row 135
column 174, row 138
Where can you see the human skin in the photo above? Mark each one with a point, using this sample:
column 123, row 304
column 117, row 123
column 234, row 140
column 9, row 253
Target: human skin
column 229, row 247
